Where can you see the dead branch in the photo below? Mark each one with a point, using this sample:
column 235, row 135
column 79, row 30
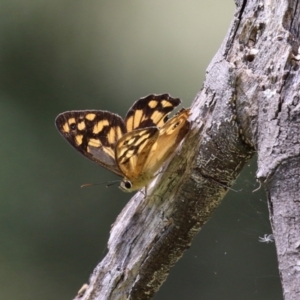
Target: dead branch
column 249, row 101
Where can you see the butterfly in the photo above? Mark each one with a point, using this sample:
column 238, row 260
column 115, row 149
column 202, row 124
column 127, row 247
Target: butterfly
column 134, row 148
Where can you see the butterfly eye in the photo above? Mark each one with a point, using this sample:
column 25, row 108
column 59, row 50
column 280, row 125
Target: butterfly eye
column 127, row 184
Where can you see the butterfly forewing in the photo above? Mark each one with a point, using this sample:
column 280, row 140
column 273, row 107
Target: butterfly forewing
column 94, row 134
column 150, row 111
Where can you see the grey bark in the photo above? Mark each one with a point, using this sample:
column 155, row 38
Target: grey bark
column 266, row 55
column 249, row 101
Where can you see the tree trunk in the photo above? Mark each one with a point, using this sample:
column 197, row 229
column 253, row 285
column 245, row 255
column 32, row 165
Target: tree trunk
column 249, row 102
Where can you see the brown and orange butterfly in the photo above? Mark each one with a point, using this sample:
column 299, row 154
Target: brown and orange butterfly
column 134, row 148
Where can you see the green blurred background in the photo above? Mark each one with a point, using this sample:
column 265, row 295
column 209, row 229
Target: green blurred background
column 61, row 55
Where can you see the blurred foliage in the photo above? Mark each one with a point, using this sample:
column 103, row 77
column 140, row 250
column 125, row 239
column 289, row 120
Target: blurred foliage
column 63, row 55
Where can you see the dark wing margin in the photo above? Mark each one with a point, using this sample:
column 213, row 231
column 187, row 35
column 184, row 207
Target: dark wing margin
column 150, row 111
column 94, row 133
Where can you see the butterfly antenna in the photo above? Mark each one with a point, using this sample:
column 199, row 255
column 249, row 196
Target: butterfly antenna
column 113, row 182
column 89, row 184
column 107, row 183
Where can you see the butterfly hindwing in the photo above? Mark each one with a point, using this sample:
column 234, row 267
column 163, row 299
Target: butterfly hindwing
column 93, row 133
column 150, row 111
column 170, row 136
column 133, row 149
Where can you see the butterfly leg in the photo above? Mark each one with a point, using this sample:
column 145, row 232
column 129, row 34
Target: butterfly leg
column 144, row 193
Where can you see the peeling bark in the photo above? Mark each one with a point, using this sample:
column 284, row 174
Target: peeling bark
column 249, row 101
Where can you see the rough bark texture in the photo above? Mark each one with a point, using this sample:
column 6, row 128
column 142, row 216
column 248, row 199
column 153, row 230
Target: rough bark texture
column 265, row 53
column 250, row 97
